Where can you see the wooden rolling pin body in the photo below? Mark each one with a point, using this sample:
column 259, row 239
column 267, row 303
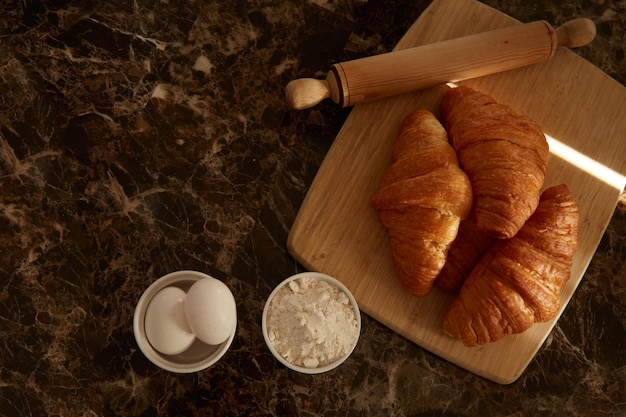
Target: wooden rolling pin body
column 397, row 72
column 453, row 60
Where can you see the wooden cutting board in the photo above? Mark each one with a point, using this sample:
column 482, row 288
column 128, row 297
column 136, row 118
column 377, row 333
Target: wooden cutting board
column 583, row 112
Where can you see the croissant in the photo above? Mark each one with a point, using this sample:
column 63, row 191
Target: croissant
column 422, row 198
column 504, row 155
column 469, row 246
column 518, row 281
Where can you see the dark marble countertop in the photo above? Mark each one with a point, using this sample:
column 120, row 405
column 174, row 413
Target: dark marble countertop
column 140, row 138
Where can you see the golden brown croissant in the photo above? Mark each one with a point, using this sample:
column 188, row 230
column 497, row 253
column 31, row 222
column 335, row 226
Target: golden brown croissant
column 504, row 155
column 518, row 281
column 422, row 199
column 470, row 245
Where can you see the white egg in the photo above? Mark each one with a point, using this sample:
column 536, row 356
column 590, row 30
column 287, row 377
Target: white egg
column 166, row 324
column 211, row 310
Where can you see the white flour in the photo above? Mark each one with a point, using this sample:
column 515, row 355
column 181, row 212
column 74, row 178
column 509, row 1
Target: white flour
column 311, row 323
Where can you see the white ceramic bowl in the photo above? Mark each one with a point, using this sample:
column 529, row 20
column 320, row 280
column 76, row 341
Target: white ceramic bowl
column 200, row 355
column 316, row 276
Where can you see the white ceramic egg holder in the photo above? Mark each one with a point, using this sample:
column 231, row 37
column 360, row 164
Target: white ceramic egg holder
column 199, row 355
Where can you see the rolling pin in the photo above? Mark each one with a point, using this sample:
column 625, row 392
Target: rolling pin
column 374, row 77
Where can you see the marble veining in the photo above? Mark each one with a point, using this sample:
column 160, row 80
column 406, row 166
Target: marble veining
column 139, row 138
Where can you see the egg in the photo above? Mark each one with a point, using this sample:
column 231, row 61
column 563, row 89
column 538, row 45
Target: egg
column 211, row 310
column 166, row 324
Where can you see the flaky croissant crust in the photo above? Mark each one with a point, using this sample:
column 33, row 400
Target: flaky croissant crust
column 468, row 247
column 518, row 281
column 422, row 199
column 504, row 154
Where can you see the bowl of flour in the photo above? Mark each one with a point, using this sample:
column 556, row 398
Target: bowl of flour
column 311, row 322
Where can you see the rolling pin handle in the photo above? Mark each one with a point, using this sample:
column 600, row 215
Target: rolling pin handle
column 306, row 92
column 576, row 33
